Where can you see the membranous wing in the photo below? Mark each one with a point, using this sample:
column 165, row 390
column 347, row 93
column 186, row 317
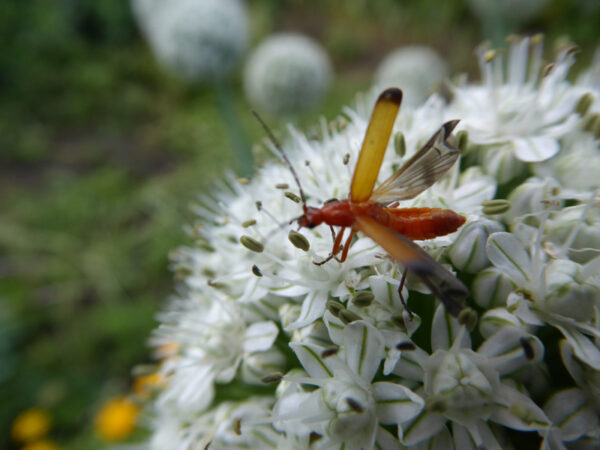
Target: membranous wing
column 422, row 170
column 375, row 143
column 445, row 286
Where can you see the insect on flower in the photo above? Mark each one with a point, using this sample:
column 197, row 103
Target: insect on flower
column 375, row 212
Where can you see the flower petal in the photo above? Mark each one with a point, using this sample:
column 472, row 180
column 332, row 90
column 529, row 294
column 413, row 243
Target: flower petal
column 386, row 440
column 570, row 410
column 313, row 307
column 426, row 426
column 536, row 148
column 260, row 336
column 508, row 255
column 445, row 329
column 517, row 411
column 395, row 404
column 496, row 319
column 583, row 347
column 311, row 360
column 441, row 441
column 511, row 349
column 364, row 349
column 463, row 438
column 411, row 363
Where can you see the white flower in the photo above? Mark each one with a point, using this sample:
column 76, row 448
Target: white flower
column 229, row 425
column 350, row 366
column 213, row 340
column 199, row 40
column 574, row 414
column 415, row 69
column 516, row 115
column 562, row 293
column 464, row 386
column 590, row 78
column 575, row 232
column 577, row 165
column 286, row 73
column 347, row 407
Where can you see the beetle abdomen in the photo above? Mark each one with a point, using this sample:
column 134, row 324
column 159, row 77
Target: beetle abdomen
column 424, row 223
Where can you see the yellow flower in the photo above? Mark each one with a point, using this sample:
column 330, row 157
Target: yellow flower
column 145, row 386
column 31, row 425
column 41, row 445
column 116, row 419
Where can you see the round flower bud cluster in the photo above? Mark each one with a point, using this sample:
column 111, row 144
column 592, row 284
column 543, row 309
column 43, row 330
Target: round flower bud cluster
column 416, row 68
column 268, row 346
column 286, row 73
column 199, row 40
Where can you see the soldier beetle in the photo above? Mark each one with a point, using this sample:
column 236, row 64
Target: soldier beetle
column 374, row 212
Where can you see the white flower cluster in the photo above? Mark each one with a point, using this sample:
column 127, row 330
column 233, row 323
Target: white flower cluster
column 348, row 366
column 416, row 68
column 286, row 73
column 199, row 40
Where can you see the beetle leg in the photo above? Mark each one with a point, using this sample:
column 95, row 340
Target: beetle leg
column 336, row 246
column 402, row 280
column 346, row 247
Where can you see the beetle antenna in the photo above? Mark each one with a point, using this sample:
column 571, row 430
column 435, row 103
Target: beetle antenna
column 283, row 155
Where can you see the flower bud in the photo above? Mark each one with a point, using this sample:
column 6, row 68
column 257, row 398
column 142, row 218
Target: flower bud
column 288, row 314
column 584, row 103
column 566, row 296
column 286, row 73
column 500, row 162
column 529, row 198
column 458, row 380
column 259, row 365
column 198, row 40
column 468, row 250
column 491, row 287
column 579, row 168
column 560, row 228
column 496, row 319
column 414, row 68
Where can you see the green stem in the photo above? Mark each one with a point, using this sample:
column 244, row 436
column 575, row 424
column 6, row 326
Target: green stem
column 235, row 131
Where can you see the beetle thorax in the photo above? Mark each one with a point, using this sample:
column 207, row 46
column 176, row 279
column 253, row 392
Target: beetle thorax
column 338, row 213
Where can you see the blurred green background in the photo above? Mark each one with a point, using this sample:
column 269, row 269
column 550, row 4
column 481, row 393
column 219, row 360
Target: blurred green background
column 102, row 152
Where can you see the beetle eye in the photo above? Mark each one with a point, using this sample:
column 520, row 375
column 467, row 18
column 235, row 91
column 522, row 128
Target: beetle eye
column 310, row 225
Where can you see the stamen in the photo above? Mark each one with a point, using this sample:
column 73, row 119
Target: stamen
column 329, row 352
column 527, row 349
column 495, row 207
column 299, row 240
column 293, row 197
column 251, row 244
column 363, row 299
column 256, row 271
column 468, row 318
column 405, row 346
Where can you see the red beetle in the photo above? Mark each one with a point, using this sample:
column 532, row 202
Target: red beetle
column 375, row 212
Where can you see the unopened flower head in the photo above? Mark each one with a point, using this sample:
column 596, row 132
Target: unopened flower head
column 264, row 346
column 199, row 40
column 286, row 73
column 416, row 68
